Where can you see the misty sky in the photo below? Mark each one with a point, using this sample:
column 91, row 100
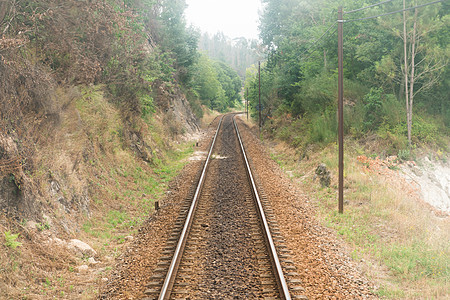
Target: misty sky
column 235, row 18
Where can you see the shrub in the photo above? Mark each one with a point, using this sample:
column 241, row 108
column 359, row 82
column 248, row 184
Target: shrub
column 373, row 103
column 323, row 129
column 147, row 105
column 10, row 240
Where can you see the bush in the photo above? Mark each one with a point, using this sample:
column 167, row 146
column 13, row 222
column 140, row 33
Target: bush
column 323, row 129
column 373, row 103
column 147, row 105
column 316, row 95
column 10, row 240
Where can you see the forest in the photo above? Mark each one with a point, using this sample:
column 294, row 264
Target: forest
column 396, row 75
column 129, row 46
column 239, row 53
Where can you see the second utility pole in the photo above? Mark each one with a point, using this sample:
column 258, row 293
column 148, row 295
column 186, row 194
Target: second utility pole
column 259, row 106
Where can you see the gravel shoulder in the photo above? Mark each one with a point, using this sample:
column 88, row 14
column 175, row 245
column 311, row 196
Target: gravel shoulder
column 135, row 266
column 322, row 261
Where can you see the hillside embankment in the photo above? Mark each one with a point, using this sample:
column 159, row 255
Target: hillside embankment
column 94, row 179
column 94, row 123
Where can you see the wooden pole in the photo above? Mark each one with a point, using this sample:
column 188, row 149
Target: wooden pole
column 259, row 84
column 341, row 108
column 247, row 103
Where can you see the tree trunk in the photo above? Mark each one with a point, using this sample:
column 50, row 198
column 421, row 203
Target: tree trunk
column 405, row 73
column 412, row 77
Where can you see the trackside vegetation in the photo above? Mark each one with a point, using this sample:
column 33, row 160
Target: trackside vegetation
column 299, row 73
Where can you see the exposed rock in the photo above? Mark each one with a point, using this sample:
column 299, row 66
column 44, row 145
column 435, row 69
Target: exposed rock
column 174, row 103
column 54, row 187
column 31, row 225
column 92, row 261
column 324, row 175
column 417, row 171
column 82, row 201
column 81, row 248
column 432, row 180
column 83, row 269
column 58, row 241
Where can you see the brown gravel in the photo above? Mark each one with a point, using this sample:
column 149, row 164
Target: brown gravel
column 324, row 267
column 136, row 265
column 326, row 270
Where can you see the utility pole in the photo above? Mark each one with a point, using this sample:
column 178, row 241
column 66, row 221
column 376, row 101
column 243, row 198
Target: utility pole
column 259, row 107
column 341, row 108
column 247, row 103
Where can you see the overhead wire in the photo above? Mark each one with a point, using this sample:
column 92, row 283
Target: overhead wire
column 361, row 19
column 315, row 49
column 393, row 12
column 366, row 7
column 317, row 40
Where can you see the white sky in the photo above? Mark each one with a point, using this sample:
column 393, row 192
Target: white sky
column 235, row 18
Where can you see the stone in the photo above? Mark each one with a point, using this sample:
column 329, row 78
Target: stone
column 82, row 248
column 324, row 175
column 58, row 241
column 92, row 261
column 30, row 225
column 83, row 269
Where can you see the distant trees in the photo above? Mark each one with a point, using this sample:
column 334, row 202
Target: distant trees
column 238, row 53
column 217, row 85
column 404, row 54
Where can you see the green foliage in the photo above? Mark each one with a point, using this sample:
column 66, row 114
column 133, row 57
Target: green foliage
column 147, row 105
column 42, row 226
column 11, row 240
column 316, row 95
column 323, row 128
column 217, row 85
column 305, row 80
column 373, row 104
column 404, row 154
column 238, row 53
column 230, row 82
column 178, row 39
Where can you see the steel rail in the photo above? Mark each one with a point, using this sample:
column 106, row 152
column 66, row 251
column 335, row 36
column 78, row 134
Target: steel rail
column 284, row 290
column 170, row 277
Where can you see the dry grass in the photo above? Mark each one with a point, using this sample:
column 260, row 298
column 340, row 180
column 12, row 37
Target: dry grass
column 401, row 243
column 107, row 192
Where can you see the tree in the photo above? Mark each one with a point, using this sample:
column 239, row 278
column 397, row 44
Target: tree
column 178, row 39
column 422, row 63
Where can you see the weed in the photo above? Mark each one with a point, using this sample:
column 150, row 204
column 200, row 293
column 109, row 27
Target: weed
column 47, row 283
column 10, row 240
column 404, row 154
column 385, row 292
column 115, row 218
column 61, row 281
column 42, row 226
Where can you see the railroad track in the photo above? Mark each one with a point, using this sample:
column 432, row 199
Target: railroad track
column 225, row 243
